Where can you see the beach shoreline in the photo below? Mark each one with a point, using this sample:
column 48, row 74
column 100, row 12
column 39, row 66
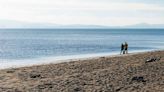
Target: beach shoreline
column 6, row 64
column 140, row 72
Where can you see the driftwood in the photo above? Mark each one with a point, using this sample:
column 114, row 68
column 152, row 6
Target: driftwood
column 152, row 59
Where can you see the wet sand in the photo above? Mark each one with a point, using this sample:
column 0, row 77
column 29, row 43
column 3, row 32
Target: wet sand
column 142, row 72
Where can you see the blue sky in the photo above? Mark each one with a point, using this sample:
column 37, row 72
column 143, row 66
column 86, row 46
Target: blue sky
column 88, row 12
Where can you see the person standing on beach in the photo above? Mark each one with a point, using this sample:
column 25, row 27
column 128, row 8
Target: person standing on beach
column 126, row 48
column 122, row 49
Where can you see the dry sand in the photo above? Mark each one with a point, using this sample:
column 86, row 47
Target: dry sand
column 127, row 73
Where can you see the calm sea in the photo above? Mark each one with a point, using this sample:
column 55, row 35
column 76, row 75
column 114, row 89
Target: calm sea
column 18, row 44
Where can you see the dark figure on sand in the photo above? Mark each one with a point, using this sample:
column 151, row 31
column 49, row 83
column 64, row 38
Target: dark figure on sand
column 124, row 48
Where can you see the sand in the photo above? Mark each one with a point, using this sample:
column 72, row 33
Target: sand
column 142, row 72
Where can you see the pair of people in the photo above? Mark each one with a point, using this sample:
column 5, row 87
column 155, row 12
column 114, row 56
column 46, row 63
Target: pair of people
column 124, row 48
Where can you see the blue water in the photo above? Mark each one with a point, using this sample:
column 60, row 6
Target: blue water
column 18, row 44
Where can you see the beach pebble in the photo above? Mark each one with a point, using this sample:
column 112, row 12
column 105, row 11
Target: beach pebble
column 46, row 85
column 35, row 75
column 10, row 71
column 77, row 89
column 138, row 79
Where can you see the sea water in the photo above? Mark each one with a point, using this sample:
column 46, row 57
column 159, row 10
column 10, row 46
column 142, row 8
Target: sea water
column 26, row 45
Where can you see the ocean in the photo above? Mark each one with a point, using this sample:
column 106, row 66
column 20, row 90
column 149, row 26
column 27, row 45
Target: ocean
column 26, row 46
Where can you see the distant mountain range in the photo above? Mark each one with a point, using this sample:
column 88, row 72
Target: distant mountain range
column 4, row 24
column 145, row 25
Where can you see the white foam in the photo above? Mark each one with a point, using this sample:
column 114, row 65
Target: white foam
column 46, row 60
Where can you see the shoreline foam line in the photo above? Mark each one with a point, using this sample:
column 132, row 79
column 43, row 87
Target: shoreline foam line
column 4, row 64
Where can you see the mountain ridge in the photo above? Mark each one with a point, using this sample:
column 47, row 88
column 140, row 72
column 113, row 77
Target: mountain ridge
column 5, row 24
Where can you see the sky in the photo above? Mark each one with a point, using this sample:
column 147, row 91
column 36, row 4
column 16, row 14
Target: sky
column 88, row 12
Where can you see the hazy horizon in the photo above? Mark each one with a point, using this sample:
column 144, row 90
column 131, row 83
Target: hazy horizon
column 82, row 12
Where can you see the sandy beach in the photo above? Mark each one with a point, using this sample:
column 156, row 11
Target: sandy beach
column 142, row 72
